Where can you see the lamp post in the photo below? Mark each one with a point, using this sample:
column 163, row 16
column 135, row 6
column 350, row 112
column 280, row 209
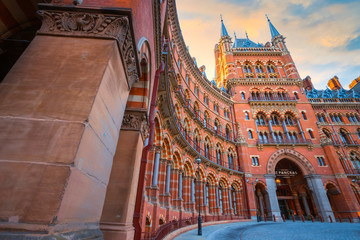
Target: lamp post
column 198, row 161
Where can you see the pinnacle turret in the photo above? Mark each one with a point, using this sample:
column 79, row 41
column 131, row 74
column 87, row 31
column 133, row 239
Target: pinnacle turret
column 273, row 30
column 223, row 29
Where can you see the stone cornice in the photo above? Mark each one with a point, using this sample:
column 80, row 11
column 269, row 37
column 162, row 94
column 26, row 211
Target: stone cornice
column 115, row 23
column 190, row 65
column 157, row 31
column 264, row 81
column 336, row 105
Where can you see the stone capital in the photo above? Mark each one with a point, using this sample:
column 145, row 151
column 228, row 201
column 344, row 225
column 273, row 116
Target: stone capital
column 136, row 121
column 101, row 23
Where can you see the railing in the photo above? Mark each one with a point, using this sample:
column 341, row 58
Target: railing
column 169, row 227
column 284, row 141
column 262, row 97
column 201, row 150
column 200, row 116
column 334, row 100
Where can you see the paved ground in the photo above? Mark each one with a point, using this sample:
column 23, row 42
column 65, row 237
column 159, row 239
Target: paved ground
column 276, row 231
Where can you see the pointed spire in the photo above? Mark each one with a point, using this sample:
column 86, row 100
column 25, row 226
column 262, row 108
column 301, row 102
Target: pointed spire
column 246, row 35
column 273, row 30
column 235, row 36
column 223, row 28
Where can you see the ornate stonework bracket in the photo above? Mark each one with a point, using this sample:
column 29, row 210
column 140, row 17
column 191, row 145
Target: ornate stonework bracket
column 94, row 23
column 136, row 121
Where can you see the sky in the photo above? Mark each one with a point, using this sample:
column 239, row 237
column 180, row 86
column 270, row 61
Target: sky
column 323, row 36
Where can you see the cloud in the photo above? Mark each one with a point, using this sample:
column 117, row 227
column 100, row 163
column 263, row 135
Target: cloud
column 323, row 36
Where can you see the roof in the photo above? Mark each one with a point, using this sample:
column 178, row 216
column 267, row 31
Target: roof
column 328, row 93
column 223, row 30
column 245, row 43
column 273, row 30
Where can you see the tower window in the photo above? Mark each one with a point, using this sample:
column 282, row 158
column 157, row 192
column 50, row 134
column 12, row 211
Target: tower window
column 250, row 134
column 311, row 134
column 247, row 116
column 296, row 95
column 243, row 96
column 321, row 161
column 304, row 115
column 255, row 161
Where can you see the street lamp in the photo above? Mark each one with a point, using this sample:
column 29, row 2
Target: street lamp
column 198, row 161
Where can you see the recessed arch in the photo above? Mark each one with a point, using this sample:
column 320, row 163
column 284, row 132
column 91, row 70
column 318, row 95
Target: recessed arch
column 304, row 164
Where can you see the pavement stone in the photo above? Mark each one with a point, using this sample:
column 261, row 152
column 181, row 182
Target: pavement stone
column 276, row 231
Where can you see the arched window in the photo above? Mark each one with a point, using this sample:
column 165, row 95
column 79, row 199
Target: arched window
column 344, row 137
column 207, row 196
column 220, row 199
column 233, row 199
column 296, row 96
column 216, row 126
column 206, row 100
column 275, row 119
column 311, row 134
column 304, row 115
column 230, row 159
column 227, row 133
column 355, row 161
column 243, row 96
column 247, row 116
column 218, row 155
column 250, row 134
column 196, row 91
column 260, row 119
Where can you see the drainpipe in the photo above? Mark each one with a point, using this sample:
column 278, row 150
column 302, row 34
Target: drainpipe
column 149, row 146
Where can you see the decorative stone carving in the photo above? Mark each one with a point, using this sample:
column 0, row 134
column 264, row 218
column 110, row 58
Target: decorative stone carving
column 239, row 138
column 136, row 121
column 324, row 141
column 82, row 22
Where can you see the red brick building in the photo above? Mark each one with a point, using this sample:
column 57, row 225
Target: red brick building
column 103, row 113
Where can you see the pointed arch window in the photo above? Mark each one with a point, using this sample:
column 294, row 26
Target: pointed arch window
column 304, row 115
column 233, row 199
column 250, row 134
column 221, row 199
column 243, row 96
column 247, row 116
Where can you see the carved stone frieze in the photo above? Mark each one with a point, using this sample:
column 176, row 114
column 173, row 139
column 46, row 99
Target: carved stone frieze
column 83, row 22
column 136, row 121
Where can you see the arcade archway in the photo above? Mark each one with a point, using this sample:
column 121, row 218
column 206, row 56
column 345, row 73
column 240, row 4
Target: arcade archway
column 292, row 191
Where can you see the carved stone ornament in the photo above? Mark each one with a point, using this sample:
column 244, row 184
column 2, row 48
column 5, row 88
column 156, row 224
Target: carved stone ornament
column 83, row 22
column 239, row 138
column 136, row 121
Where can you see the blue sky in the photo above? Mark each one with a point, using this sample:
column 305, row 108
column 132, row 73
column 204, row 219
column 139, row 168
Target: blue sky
column 323, row 36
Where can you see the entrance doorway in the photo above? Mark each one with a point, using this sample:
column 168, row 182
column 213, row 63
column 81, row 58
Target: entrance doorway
column 292, row 191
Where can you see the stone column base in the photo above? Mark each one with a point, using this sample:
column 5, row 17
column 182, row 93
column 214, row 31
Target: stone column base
column 117, row 231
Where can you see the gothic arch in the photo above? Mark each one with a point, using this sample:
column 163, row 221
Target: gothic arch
column 304, row 164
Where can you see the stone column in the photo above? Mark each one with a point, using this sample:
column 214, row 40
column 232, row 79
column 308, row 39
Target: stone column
column 305, row 203
column 180, row 186
column 261, row 204
column 230, row 199
column 168, row 175
column 156, row 168
column 285, row 130
column 271, row 130
column 271, row 188
column 301, row 130
column 192, row 191
column 319, row 194
column 297, row 204
column 59, row 113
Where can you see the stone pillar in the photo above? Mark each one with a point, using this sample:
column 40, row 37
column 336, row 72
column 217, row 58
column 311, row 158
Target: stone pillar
column 301, row 130
column 271, row 188
column 261, row 204
column 168, row 175
column 285, row 130
column 230, row 199
column 174, row 186
column 297, row 204
column 180, row 189
column 192, row 191
column 305, row 203
column 59, row 113
column 156, row 168
column 271, row 130
column 321, row 200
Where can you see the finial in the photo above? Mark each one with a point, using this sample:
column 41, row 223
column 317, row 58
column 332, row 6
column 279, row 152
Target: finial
column 221, row 17
column 246, row 35
column 267, row 17
column 235, row 35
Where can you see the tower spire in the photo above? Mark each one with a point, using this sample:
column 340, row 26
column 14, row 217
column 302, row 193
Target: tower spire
column 223, row 28
column 273, row 30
